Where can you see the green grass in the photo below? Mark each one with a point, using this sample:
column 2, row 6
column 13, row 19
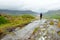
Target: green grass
column 14, row 21
column 52, row 16
column 3, row 20
column 56, row 16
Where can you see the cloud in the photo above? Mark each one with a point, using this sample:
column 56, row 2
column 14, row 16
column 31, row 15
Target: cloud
column 34, row 5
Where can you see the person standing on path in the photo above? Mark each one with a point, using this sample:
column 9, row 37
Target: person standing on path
column 40, row 16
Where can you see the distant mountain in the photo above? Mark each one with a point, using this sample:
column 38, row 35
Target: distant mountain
column 53, row 13
column 17, row 12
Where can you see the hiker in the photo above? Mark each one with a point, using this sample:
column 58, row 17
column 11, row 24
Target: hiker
column 40, row 16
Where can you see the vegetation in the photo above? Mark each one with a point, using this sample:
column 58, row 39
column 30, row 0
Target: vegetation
column 51, row 23
column 53, row 14
column 3, row 20
column 56, row 16
column 8, row 23
column 58, row 24
column 35, row 30
column 58, row 33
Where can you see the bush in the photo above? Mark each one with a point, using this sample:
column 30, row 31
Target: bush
column 3, row 20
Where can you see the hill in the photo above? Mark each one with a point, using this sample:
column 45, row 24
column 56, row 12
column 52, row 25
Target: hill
column 17, row 12
column 52, row 14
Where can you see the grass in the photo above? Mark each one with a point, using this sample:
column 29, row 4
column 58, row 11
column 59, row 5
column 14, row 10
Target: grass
column 35, row 30
column 3, row 20
column 52, row 17
column 56, row 16
column 51, row 23
column 7, row 22
column 15, row 20
column 58, row 25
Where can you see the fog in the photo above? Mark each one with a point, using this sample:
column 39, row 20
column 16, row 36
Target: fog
column 34, row 5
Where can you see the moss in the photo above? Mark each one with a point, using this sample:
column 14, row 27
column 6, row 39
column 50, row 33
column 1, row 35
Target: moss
column 51, row 23
column 58, row 33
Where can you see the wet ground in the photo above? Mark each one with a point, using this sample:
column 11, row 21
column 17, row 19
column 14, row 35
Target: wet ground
column 46, row 31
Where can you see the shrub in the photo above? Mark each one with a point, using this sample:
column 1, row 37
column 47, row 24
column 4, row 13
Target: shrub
column 3, row 20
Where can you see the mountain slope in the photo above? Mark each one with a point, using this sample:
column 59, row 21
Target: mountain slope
column 17, row 12
column 53, row 14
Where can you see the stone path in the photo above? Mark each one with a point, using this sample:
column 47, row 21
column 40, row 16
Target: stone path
column 46, row 31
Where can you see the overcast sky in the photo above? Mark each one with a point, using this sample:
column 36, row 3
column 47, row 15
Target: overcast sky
column 34, row 5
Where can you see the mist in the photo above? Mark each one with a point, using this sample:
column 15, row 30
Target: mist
column 34, row 5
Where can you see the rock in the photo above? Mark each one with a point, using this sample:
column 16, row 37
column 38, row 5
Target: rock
column 17, row 29
column 58, row 33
